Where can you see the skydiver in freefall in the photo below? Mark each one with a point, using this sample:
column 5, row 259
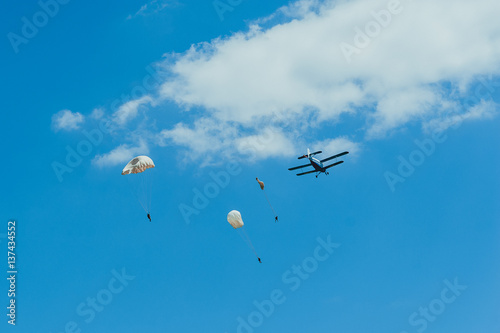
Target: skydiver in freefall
column 259, row 260
column 149, row 217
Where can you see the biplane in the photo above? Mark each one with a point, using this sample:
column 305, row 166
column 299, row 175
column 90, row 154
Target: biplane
column 317, row 164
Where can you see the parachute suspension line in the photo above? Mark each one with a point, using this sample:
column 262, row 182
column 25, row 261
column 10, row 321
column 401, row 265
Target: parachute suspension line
column 139, row 180
column 140, row 191
column 248, row 241
column 240, row 232
column 245, row 238
column 147, row 190
column 150, row 187
column 144, row 191
column 140, row 195
column 134, row 191
column 269, row 202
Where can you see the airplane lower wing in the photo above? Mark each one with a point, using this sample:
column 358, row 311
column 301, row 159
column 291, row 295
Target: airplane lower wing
column 334, row 164
column 334, row 156
column 305, row 173
column 301, row 166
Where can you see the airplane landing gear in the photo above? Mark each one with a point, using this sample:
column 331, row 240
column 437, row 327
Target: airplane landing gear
column 327, row 173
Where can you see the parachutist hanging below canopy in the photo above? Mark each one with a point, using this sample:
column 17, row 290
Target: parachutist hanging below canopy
column 140, row 180
column 261, row 184
column 235, row 220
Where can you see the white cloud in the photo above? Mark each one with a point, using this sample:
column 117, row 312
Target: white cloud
column 211, row 140
column 268, row 142
column 121, row 154
column 67, row 120
column 207, row 139
column 295, row 10
column 298, row 67
column 129, row 110
column 97, row 113
column 337, row 145
column 481, row 111
column 300, row 9
column 417, row 66
column 399, row 107
column 151, row 7
column 205, row 136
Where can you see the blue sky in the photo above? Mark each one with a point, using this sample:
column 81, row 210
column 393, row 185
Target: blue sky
column 411, row 89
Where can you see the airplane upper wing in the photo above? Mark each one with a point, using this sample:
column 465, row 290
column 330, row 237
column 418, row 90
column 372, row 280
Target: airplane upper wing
column 301, row 166
column 305, row 173
column 334, row 156
column 334, row 164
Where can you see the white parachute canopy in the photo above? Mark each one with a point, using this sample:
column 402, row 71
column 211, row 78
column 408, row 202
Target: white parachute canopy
column 234, row 219
column 140, row 180
column 138, row 164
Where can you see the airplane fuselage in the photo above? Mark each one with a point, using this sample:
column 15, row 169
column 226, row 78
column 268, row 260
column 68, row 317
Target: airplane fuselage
column 318, row 166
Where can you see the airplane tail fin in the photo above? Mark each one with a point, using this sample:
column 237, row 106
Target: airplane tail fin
column 309, row 154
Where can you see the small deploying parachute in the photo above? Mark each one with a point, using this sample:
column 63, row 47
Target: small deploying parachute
column 261, row 184
column 235, row 220
column 140, row 180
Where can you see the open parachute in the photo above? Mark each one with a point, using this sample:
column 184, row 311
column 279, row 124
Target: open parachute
column 138, row 164
column 139, row 178
column 235, row 220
